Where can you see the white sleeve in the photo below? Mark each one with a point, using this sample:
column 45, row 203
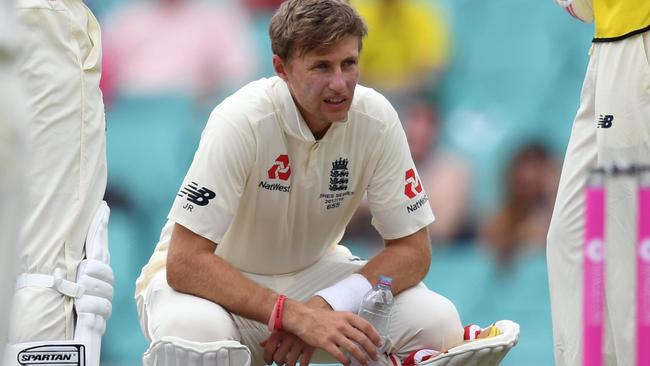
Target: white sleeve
column 209, row 196
column 396, row 197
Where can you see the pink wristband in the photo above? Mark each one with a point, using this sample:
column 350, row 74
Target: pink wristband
column 275, row 322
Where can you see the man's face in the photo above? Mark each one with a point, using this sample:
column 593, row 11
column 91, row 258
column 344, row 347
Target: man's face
column 322, row 83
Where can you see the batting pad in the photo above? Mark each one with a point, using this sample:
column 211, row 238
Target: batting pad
column 173, row 351
column 480, row 352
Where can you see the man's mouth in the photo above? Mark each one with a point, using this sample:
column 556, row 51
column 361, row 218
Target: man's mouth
column 335, row 100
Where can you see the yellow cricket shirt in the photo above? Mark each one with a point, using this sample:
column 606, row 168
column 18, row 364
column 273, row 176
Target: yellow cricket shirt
column 618, row 19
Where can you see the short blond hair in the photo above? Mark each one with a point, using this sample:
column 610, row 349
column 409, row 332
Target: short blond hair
column 301, row 26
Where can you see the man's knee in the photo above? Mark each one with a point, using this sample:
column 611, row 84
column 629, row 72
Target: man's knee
column 441, row 322
column 433, row 316
column 197, row 327
column 199, row 321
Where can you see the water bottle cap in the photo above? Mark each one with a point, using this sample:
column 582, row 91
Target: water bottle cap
column 385, row 280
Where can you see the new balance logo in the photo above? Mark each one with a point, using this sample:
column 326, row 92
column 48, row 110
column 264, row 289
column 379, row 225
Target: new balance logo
column 199, row 196
column 280, row 169
column 605, row 121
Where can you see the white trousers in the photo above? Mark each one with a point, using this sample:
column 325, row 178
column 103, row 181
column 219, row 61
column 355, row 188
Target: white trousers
column 12, row 166
column 616, row 89
column 59, row 66
column 420, row 318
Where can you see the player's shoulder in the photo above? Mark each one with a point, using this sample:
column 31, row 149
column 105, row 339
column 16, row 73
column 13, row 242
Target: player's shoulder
column 372, row 106
column 246, row 106
column 252, row 100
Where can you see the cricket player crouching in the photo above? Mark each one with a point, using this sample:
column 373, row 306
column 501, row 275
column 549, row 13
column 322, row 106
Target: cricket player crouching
column 248, row 269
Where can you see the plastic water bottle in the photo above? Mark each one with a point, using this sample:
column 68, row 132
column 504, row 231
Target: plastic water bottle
column 376, row 307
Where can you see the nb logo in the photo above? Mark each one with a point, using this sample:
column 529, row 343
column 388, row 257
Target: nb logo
column 413, row 185
column 280, row 169
column 199, row 196
column 605, row 121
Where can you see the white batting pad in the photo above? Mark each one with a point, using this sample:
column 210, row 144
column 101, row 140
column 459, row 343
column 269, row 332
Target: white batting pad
column 173, row 351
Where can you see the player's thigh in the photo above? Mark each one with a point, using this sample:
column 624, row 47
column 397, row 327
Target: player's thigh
column 171, row 313
column 302, row 285
column 623, row 101
column 566, row 231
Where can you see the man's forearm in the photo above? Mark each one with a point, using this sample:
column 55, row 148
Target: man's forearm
column 406, row 260
column 193, row 268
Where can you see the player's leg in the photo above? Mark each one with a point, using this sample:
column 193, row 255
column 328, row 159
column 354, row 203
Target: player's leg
column 420, row 317
column 60, row 68
column 185, row 329
column 566, row 231
column 92, row 293
column 12, row 153
column 623, row 103
column 299, row 286
column 423, row 319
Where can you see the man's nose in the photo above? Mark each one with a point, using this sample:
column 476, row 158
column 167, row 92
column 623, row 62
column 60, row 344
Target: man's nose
column 337, row 82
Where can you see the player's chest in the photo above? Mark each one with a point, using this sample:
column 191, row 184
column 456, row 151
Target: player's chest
column 322, row 175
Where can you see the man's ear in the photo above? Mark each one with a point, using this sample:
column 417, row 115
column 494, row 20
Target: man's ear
column 280, row 67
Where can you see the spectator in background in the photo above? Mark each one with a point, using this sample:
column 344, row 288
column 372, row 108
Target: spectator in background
column 522, row 222
column 407, row 47
column 168, row 61
column 177, row 45
column 264, row 6
column 445, row 175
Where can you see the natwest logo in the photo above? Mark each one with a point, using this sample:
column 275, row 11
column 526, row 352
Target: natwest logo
column 413, row 185
column 280, row 169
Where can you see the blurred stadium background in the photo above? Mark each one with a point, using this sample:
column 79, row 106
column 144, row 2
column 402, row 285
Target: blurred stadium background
column 499, row 80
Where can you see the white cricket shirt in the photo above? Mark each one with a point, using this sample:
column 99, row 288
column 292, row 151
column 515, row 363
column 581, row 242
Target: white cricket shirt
column 275, row 199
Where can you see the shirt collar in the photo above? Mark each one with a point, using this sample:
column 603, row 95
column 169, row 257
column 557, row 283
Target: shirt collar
column 291, row 119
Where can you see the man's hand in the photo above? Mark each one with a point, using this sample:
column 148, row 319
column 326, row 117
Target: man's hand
column 283, row 347
column 286, row 348
column 314, row 325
